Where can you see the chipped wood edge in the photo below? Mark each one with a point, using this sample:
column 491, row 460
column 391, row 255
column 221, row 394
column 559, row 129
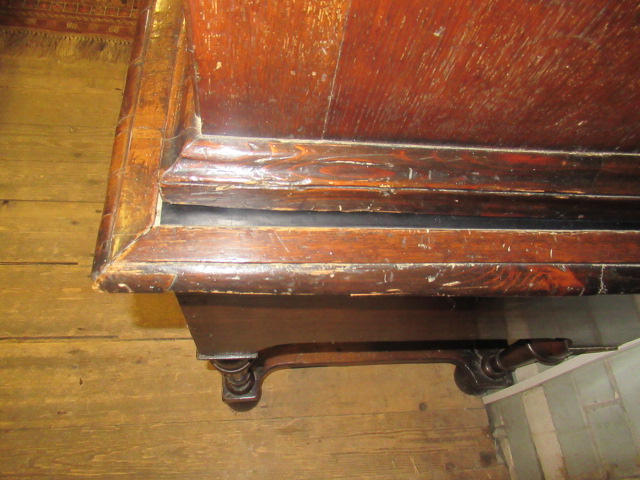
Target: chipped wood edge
column 509, row 280
column 139, row 123
column 129, row 220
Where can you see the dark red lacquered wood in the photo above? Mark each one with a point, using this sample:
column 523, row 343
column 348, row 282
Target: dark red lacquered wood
column 482, row 72
column 325, row 176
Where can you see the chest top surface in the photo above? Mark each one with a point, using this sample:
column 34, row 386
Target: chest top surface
column 195, row 205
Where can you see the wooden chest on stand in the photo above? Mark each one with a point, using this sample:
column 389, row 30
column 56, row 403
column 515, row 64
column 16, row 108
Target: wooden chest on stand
column 340, row 182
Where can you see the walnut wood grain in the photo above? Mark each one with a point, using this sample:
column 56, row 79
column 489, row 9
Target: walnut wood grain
column 135, row 253
column 476, row 280
column 304, row 175
column 129, row 211
column 382, row 245
column 182, row 123
column 106, row 243
column 266, row 68
column 491, row 72
column 482, row 72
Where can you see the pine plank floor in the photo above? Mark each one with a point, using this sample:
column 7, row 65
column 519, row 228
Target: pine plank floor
column 107, row 386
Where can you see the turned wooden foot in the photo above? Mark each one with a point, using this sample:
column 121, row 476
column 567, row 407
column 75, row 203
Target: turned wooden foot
column 237, row 374
column 241, row 389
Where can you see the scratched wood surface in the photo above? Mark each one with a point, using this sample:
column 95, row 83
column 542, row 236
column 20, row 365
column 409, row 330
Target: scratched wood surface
column 489, row 72
column 267, row 69
column 96, row 385
column 546, row 94
column 412, row 246
column 304, row 175
column 137, row 253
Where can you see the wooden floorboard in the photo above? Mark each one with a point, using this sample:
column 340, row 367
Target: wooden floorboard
column 112, row 400
column 52, row 301
column 102, row 381
column 107, row 386
column 53, row 181
column 56, row 144
column 62, row 76
column 48, row 232
column 58, row 108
